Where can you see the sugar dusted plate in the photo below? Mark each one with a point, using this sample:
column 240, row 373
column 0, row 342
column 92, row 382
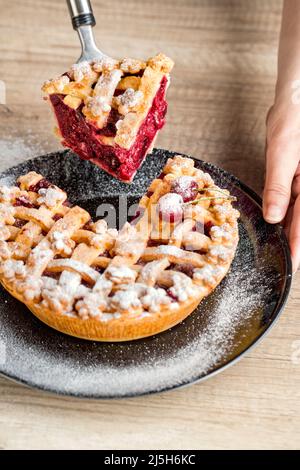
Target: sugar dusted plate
column 224, row 326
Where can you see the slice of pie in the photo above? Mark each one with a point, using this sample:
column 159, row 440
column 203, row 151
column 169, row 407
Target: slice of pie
column 110, row 111
column 90, row 281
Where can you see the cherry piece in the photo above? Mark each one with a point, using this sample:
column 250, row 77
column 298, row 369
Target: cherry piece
column 171, row 207
column 186, row 187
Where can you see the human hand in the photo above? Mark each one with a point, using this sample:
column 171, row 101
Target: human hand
column 281, row 199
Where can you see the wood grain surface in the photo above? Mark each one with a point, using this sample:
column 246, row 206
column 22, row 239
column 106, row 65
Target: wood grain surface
column 225, row 53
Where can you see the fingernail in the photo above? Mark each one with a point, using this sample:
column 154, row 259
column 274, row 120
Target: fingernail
column 274, row 214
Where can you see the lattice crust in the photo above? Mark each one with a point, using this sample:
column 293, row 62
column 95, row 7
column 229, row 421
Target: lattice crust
column 94, row 282
column 126, row 86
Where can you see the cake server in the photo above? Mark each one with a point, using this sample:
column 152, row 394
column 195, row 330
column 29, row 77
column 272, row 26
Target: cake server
column 83, row 20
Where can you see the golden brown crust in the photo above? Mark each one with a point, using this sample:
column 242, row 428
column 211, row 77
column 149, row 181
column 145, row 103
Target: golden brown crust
column 125, row 329
column 96, row 283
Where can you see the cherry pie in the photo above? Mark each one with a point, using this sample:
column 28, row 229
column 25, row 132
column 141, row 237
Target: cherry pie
column 90, row 281
column 110, row 111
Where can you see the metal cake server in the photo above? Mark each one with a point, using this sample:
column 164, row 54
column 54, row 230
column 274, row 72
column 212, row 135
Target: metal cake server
column 83, row 20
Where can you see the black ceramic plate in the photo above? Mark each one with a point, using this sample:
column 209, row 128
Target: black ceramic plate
column 220, row 330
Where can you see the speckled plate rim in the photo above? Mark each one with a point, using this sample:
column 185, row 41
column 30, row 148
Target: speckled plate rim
column 276, row 314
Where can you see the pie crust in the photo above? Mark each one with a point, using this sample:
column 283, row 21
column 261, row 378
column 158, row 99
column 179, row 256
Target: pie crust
column 90, row 281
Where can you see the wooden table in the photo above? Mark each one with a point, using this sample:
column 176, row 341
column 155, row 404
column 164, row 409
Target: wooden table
column 223, row 83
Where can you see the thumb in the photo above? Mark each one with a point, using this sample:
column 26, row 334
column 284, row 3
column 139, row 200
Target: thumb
column 281, row 163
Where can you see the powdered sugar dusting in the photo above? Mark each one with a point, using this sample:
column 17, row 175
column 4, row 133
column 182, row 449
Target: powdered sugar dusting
column 128, row 100
column 183, row 183
column 15, row 149
column 236, row 302
column 169, row 202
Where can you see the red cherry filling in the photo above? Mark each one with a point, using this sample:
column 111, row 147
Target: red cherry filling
column 199, row 227
column 136, row 217
column 170, row 207
column 207, row 226
column 152, row 243
column 173, row 297
column 42, row 184
column 99, row 269
column 19, row 223
column 186, row 187
column 67, row 203
column 88, row 225
column 141, row 262
column 105, row 253
column 56, row 217
column 51, row 274
column 87, row 140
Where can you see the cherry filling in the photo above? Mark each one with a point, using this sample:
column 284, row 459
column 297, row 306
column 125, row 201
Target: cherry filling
column 137, row 216
column 56, row 217
column 88, row 225
column 106, row 254
column 23, row 201
column 203, row 228
column 85, row 139
column 167, row 290
column 42, row 184
column 51, row 274
column 185, row 268
column 67, row 203
column 99, row 269
column 207, row 226
column 141, row 262
column 173, row 297
column 153, row 243
column 110, row 129
column 19, row 223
